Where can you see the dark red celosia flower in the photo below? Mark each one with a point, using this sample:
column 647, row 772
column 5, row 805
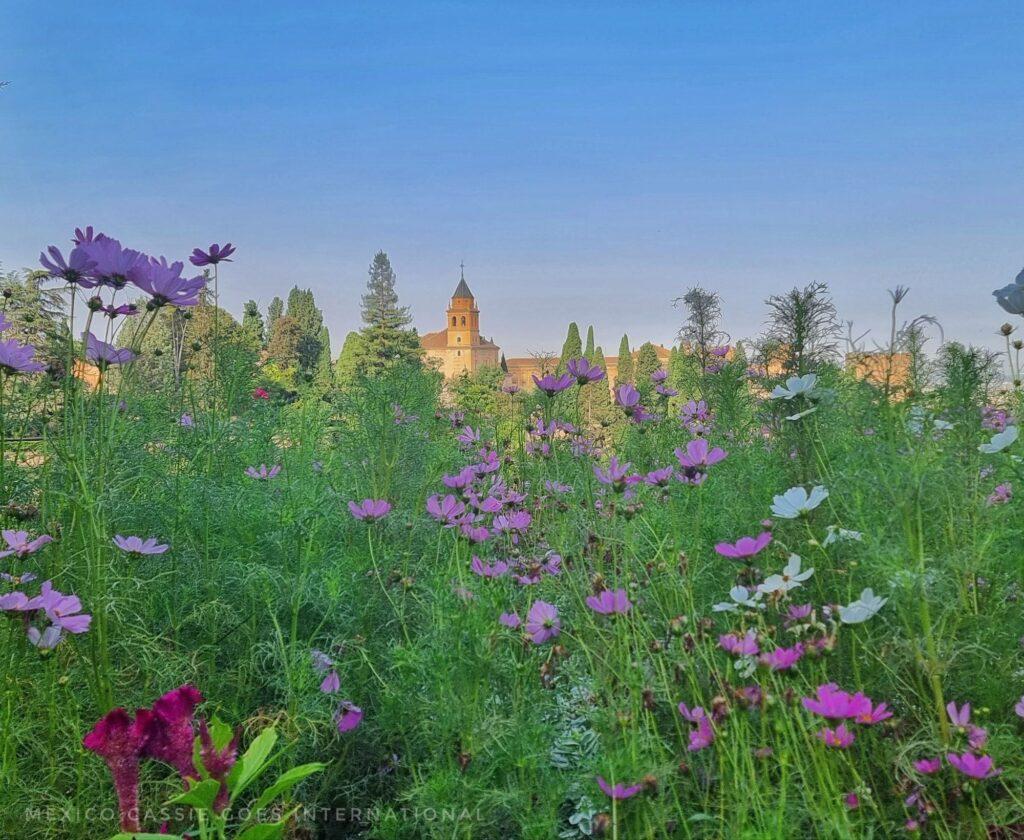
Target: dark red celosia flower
column 170, row 731
column 120, row 741
column 218, row 762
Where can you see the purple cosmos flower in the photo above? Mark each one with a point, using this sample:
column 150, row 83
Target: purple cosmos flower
column 83, row 236
column 1019, row 708
column 18, row 358
column 124, row 309
column 331, row 683
column 213, row 255
column 14, row 602
column 974, row 766
column 698, row 454
column 48, row 639
column 619, row 791
column 703, row 736
column 64, row 611
column 839, row 738
column 1000, row 495
column 18, row 543
column 112, row 265
column 187, row 421
column 138, row 546
column 928, row 766
column 798, row 612
column 720, row 352
column 348, row 716
column 659, row 478
column 445, row 509
column 511, row 388
column 552, row 384
column 740, row 645
column 659, row 376
column 263, row 474
column 696, row 418
column 510, row 620
column 542, row 622
column 321, row 661
column 165, row 285
column 959, row 717
column 627, row 398
column 517, row 520
column 745, row 547
column 370, row 510
column 584, row 372
column 782, row 659
column 666, row 391
column 4, row 323
column 615, row 475
column 488, row 570
column 609, row 602
column 75, row 271
column 104, row 355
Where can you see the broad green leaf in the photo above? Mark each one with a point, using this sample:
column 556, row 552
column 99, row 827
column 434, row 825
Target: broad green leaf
column 250, row 765
column 287, row 781
column 263, row 831
column 200, row 795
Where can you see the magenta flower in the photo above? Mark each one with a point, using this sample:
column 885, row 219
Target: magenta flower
column 831, row 702
column 552, row 384
column 218, row 762
column 445, row 509
column 868, row 714
column 745, row 547
column 974, row 766
column 138, row 547
column 171, row 734
column 851, row 800
column 119, row 740
column 619, row 791
column 104, row 355
column 488, row 570
column 745, row 646
column 609, row 602
column 839, row 738
column 348, row 716
column 76, row 271
column 18, row 543
column 263, row 474
column 213, row 255
column 928, row 766
column 782, row 659
column 584, row 372
column 18, row 358
column 542, row 622
column 370, row 510
column 703, row 736
column 510, row 620
column 693, row 715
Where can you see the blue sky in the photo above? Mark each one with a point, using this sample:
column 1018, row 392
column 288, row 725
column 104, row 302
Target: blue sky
column 588, row 161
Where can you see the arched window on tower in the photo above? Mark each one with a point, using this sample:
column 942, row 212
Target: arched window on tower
column 458, row 352
column 463, row 320
column 458, row 339
column 455, row 321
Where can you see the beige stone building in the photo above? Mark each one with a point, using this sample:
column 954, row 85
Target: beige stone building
column 459, row 348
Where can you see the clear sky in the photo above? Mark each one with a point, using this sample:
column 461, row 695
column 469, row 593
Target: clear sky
column 589, row 161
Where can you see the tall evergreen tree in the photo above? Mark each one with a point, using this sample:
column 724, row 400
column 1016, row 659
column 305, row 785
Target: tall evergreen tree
column 646, row 363
column 274, row 314
column 625, row 372
column 252, row 326
column 588, row 352
column 346, row 369
column 303, row 310
column 386, row 335
column 572, row 348
column 598, row 408
column 324, row 367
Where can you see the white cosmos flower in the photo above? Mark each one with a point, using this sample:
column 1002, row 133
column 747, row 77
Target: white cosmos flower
column 942, row 425
column 790, row 578
column 837, row 534
column 796, row 386
column 796, row 501
column 866, row 606
column 741, row 597
column 1001, row 441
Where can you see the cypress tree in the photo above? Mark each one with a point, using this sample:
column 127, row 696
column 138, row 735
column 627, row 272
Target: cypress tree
column 588, row 353
column 625, row 372
column 646, row 363
column 572, row 348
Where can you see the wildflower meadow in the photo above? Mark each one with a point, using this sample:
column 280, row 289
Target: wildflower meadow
column 252, row 592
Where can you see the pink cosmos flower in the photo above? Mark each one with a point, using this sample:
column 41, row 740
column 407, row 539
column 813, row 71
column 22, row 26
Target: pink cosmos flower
column 331, row 683
column 745, row 646
column 839, row 738
column 831, row 702
column 488, row 570
column 138, row 546
column 64, row 611
column 867, row 714
column 782, row 659
column 348, row 716
column 698, row 453
column 974, row 766
column 928, row 766
column 370, row 510
column 445, row 509
column 1019, row 708
column 609, row 602
column 542, row 622
column 1000, row 495
column 745, row 547
column 703, row 736
column 619, row 791
column 18, row 543
column 616, row 475
column 263, row 474
column 510, row 620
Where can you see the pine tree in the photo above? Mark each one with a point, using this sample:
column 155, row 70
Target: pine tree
column 625, row 372
column 646, row 363
column 588, row 353
column 252, row 326
column 572, row 348
column 386, row 335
